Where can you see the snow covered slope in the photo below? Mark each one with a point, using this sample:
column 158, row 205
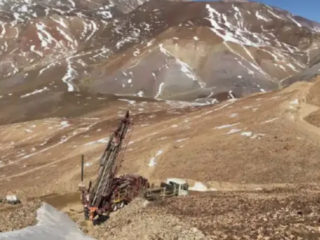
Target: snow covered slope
column 159, row 49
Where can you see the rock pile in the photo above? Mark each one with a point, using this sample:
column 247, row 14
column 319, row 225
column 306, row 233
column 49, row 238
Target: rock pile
column 141, row 221
column 19, row 217
column 250, row 216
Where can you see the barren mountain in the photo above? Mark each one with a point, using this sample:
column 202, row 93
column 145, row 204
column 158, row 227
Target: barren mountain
column 161, row 49
column 203, row 82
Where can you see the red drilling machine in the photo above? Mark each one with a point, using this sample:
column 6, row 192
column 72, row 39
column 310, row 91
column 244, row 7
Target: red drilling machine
column 110, row 193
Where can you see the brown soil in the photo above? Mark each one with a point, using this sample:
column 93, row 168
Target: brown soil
column 272, row 144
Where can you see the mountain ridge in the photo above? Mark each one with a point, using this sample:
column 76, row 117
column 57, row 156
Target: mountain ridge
column 91, row 43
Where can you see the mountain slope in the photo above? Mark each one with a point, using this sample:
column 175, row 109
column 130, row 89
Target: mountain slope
column 266, row 139
column 68, row 73
column 69, row 69
column 170, row 50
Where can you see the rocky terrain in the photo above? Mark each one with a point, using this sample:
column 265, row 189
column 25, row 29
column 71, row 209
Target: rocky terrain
column 272, row 215
column 18, row 217
column 242, row 148
column 267, row 214
column 204, row 84
column 167, row 138
column 156, row 49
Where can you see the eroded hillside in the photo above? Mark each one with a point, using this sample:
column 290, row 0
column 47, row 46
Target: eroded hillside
column 174, row 50
column 203, row 82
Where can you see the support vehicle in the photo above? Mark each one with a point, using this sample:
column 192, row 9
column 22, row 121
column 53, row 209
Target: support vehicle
column 172, row 187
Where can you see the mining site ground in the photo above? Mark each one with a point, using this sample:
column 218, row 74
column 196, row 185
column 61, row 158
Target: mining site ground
column 257, row 156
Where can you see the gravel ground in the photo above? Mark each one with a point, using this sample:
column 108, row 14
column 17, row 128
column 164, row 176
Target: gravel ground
column 19, row 217
column 250, row 215
column 282, row 214
column 139, row 221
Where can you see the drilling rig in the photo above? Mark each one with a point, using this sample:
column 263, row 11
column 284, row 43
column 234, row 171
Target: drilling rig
column 110, row 193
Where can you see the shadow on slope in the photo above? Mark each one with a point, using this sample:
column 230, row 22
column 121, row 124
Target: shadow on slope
column 52, row 104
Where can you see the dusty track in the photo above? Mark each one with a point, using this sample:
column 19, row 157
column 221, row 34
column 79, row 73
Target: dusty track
column 300, row 110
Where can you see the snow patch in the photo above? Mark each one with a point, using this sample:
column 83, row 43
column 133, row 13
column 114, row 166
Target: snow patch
column 33, row 49
column 35, row 92
column 200, row 187
column 233, row 131
column 129, row 101
column 258, row 135
column 261, row 17
column 65, row 124
column 181, row 140
column 246, row 134
column 159, row 90
column 270, row 120
column 226, row 126
column 273, row 14
column 88, row 164
column 103, row 140
column 293, row 20
column 69, row 76
column 231, row 95
column 152, row 162
column 140, row 93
